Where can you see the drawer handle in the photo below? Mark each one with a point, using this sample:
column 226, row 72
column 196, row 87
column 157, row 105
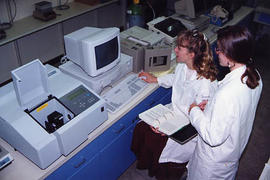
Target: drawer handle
column 80, row 163
column 136, row 119
column 122, row 127
column 152, row 103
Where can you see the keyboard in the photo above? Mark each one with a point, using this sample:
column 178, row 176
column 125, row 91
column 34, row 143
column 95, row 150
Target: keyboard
column 120, row 95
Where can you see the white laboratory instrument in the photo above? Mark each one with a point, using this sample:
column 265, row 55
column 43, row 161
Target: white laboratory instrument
column 142, row 36
column 45, row 113
column 171, row 26
column 167, row 26
column 200, row 23
column 5, row 157
column 147, row 48
column 98, row 83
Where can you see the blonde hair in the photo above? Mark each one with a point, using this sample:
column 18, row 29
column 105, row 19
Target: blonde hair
column 203, row 62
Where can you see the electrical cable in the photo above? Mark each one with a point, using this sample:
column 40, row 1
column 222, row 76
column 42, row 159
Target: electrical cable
column 66, row 2
column 62, row 6
column 151, row 7
column 11, row 16
column 15, row 10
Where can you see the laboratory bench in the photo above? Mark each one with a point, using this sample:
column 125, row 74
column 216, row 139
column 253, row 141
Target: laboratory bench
column 106, row 153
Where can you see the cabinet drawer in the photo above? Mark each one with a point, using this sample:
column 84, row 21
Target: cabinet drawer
column 117, row 157
column 77, row 162
column 119, row 127
column 92, row 169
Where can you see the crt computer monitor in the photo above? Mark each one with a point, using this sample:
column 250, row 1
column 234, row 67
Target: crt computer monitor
column 95, row 50
column 192, row 8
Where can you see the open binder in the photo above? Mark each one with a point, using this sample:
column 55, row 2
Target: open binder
column 166, row 121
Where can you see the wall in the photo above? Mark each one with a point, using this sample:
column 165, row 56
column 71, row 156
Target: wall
column 24, row 8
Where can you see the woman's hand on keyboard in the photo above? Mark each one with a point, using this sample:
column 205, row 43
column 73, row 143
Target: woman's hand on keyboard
column 147, row 77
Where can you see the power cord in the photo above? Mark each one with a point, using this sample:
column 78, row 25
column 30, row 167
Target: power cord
column 7, row 25
column 151, row 7
column 62, row 6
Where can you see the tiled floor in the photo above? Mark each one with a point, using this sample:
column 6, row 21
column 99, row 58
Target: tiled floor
column 258, row 149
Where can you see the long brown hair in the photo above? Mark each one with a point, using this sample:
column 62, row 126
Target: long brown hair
column 236, row 43
column 203, row 62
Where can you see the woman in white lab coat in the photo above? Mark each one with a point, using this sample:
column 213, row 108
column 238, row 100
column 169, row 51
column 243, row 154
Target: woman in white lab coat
column 226, row 123
column 194, row 80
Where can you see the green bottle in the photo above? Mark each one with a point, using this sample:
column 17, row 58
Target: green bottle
column 135, row 14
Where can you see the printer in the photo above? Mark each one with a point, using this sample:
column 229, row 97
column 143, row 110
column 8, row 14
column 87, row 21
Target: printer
column 167, row 26
column 171, row 26
column 45, row 113
column 148, row 49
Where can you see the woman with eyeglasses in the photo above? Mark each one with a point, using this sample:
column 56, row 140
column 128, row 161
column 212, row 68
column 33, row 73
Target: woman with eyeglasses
column 225, row 125
column 194, row 80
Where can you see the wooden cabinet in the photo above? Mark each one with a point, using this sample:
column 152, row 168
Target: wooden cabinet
column 109, row 155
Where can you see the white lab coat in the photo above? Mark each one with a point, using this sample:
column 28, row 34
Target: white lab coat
column 186, row 89
column 224, row 128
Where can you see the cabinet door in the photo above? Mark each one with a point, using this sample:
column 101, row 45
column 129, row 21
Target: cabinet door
column 44, row 45
column 78, row 22
column 8, row 61
column 79, row 162
column 112, row 15
column 117, row 156
column 90, row 170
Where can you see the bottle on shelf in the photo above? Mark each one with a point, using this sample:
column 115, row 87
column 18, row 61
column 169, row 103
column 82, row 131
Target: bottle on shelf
column 135, row 15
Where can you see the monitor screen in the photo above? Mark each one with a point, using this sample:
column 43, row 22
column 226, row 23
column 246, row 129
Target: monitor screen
column 106, row 53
